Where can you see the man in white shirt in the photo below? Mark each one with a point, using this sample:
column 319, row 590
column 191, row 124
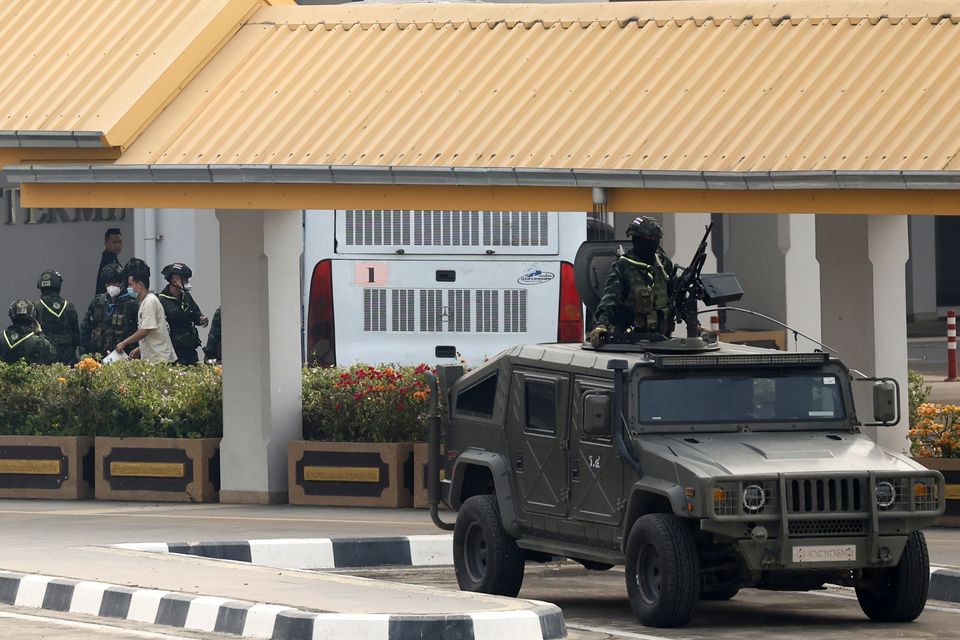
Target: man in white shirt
column 152, row 332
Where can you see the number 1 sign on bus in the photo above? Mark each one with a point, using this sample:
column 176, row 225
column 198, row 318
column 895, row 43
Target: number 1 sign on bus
column 436, row 286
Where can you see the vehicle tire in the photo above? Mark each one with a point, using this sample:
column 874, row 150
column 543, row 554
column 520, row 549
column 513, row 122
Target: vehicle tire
column 662, row 571
column 725, row 593
column 486, row 559
column 590, row 565
column 898, row 594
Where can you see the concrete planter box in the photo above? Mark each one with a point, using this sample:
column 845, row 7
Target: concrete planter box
column 158, row 469
column 52, row 467
column 950, row 468
column 350, row 474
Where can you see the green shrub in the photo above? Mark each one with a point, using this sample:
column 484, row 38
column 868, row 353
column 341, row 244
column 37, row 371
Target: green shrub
column 918, row 393
column 365, row 404
column 124, row 399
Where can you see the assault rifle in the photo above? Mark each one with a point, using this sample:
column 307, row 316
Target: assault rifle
column 688, row 289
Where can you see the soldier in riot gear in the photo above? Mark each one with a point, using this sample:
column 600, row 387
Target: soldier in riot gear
column 183, row 314
column 58, row 317
column 213, row 350
column 636, row 296
column 111, row 316
column 23, row 339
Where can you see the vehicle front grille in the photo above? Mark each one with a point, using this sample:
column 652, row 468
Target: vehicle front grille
column 809, row 528
column 826, row 495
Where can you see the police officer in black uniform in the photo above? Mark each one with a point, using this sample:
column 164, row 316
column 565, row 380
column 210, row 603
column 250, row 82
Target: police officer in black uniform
column 24, row 340
column 112, row 316
column 58, row 317
column 183, row 314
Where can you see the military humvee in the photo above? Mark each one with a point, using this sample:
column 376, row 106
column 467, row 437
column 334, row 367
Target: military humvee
column 702, row 467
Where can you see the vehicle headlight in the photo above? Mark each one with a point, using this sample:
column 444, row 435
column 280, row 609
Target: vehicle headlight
column 725, row 499
column 885, row 493
column 754, row 498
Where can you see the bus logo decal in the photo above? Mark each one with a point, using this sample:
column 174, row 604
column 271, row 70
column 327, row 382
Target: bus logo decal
column 533, row 275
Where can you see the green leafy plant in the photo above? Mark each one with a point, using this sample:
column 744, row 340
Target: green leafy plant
column 124, row 399
column 365, row 404
column 918, row 393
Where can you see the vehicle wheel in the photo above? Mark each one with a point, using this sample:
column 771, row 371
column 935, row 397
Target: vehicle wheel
column 595, row 566
column 719, row 594
column 662, row 571
column 486, row 559
column 898, row 594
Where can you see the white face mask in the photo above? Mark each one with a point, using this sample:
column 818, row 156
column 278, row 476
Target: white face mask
column 113, row 291
column 187, row 287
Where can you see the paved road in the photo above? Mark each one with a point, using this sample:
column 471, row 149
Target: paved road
column 32, row 624
column 595, row 607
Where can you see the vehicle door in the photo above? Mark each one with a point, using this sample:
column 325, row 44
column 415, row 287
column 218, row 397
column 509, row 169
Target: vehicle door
column 537, row 435
column 596, row 472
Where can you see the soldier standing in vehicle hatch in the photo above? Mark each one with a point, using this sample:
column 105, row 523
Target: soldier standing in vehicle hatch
column 183, row 314
column 636, row 296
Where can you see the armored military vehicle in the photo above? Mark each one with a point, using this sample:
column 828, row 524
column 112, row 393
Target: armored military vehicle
column 701, row 467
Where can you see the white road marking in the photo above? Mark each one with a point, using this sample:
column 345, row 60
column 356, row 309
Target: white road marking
column 616, row 632
column 843, row 596
column 99, row 628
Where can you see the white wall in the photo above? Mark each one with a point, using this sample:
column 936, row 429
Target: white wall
column 191, row 236
column 68, row 240
column 922, row 269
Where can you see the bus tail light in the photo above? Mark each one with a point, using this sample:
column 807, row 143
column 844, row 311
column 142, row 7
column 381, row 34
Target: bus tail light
column 321, row 339
column 570, row 317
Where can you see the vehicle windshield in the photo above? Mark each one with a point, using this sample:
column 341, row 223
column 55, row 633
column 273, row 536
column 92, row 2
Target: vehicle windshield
column 740, row 399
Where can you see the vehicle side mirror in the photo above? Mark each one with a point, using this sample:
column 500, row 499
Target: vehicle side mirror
column 596, row 414
column 885, row 402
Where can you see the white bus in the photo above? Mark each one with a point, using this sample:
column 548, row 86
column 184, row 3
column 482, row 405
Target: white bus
column 438, row 286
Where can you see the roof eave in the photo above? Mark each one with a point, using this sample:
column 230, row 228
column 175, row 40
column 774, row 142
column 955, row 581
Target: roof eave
column 474, row 176
column 53, row 139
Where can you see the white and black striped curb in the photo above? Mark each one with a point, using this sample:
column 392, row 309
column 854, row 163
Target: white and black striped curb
column 944, row 584
column 543, row 621
column 319, row 553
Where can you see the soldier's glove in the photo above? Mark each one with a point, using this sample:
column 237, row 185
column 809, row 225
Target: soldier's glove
column 599, row 335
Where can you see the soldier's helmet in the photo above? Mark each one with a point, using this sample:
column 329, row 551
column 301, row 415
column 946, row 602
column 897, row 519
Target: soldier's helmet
column 176, row 269
column 135, row 266
column 50, row 279
column 21, row 312
column 112, row 272
column 645, row 227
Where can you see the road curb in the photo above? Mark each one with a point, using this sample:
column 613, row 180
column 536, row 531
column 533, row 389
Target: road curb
column 318, row 553
column 944, row 584
column 544, row 621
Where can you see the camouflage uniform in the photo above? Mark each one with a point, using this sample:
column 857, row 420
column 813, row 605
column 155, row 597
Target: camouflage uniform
column 182, row 316
column 20, row 341
column 108, row 322
column 60, row 323
column 213, row 351
column 637, row 294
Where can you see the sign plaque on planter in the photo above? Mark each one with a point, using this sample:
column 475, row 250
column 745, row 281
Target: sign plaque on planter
column 46, row 467
column 158, row 469
column 361, row 474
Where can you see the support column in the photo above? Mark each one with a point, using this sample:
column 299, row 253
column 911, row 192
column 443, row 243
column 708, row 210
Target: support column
column 682, row 233
column 260, row 285
column 797, row 240
column 889, row 249
column 863, row 289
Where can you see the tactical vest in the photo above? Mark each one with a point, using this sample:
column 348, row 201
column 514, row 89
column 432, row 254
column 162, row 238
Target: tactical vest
column 52, row 316
column 110, row 328
column 183, row 333
column 15, row 345
column 647, row 293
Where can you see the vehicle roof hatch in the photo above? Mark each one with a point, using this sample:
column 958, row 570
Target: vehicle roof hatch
column 590, row 269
